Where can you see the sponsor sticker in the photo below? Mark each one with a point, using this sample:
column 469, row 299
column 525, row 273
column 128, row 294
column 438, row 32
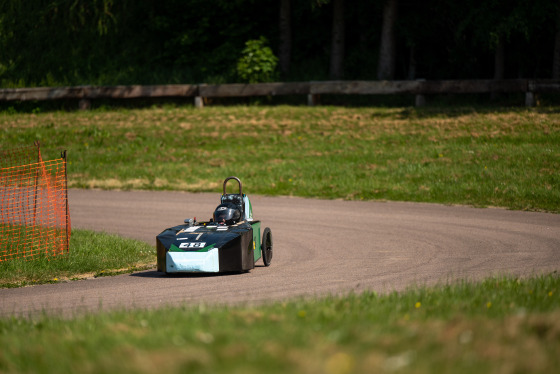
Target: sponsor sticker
column 188, row 229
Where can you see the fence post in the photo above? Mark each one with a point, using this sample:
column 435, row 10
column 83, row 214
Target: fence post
column 530, row 96
column 529, row 99
column 420, row 99
column 63, row 156
column 198, row 102
column 313, row 99
column 84, row 104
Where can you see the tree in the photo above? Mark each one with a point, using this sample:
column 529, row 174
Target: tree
column 387, row 49
column 285, row 47
column 556, row 58
column 499, row 60
column 337, row 41
column 58, row 37
column 494, row 25
column 74, row 42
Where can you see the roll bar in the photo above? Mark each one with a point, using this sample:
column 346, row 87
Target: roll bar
column 238, row 181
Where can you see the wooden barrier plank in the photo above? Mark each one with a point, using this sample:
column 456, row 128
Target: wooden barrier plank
column 312, row 89
column 40, row 93
column 544, row 86
column 364, row 87
column 417, row 87
column 452, row 86
column 256, row 89
column 98, row 92
column 472, row 86
column 138, row 91
column 513, row 85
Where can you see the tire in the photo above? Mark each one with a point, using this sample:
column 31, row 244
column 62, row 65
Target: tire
column 266, row 246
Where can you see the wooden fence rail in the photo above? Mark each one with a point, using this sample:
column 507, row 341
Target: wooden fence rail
column 313, row 90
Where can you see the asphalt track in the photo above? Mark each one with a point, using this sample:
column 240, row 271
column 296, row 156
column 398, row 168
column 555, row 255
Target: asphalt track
column 320, row 247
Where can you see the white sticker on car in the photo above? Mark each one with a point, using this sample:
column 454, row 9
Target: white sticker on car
column 192, row 245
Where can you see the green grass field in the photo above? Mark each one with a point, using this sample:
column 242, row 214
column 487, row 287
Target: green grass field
column 91, row 254
column 506, row 157
column 498, row 326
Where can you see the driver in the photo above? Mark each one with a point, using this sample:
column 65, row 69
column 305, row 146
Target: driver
column 227, row 214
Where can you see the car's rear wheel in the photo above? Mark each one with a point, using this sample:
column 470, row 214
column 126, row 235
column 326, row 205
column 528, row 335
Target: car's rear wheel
column 266, row 246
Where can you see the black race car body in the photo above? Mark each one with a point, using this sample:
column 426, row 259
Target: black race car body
column 216, row 246
column 209, row 247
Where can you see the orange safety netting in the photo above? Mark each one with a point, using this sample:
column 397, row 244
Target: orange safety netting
column 34, row 218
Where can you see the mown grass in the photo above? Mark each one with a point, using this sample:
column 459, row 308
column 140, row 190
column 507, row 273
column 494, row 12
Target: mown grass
column 505, row 157
column 91, row 254
column 16, row 241
column 502, row 325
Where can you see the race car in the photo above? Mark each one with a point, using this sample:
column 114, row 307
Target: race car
column 230, row 241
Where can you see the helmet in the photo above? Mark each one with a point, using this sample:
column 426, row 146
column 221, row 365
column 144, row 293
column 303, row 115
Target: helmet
column 227, row 212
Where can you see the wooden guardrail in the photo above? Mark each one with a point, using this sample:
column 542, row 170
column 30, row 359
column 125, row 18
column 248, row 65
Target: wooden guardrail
column 313, row 90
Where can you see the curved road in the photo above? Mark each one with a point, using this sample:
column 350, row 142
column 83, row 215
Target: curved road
column 320, row 247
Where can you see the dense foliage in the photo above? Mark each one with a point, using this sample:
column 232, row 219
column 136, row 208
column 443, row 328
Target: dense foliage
column 70, row 42
column 257, row 63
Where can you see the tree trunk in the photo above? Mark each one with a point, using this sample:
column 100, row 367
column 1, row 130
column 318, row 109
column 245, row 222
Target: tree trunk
column 499, row 66
column 499, row 61
column 412, row 64
column 386, row 65
column 556, row 61
column 285, row 48
column 337, row 45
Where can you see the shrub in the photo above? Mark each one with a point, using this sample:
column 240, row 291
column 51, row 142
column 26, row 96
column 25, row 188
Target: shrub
column 257, row 62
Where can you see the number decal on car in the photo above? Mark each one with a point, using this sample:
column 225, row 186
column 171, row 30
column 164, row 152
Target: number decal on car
column 197, row 245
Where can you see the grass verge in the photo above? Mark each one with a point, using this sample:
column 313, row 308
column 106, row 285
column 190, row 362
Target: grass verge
column 499, row 325
column 505, row 157
column 92, row 254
